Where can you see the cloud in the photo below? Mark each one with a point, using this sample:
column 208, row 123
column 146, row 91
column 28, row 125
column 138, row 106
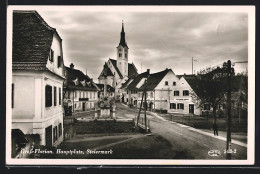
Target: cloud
column 157, row 39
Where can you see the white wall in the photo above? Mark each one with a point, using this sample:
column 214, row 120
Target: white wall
column 57, row 48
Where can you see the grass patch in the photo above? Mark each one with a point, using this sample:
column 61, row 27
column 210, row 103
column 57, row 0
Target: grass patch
column 206, row 123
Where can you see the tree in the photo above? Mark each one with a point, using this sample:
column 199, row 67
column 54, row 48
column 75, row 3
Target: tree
column 211, row 86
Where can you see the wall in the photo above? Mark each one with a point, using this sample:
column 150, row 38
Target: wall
column 57, row 48
column 24, row 92
column 109, row 126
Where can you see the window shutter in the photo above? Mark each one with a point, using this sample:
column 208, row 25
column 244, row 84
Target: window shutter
column 59, row 61
column 12, row 95
column 55, row 96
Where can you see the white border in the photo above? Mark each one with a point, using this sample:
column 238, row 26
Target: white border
column 250, row 10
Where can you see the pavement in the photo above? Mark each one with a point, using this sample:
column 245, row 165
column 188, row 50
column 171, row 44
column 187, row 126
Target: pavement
column 198, row 143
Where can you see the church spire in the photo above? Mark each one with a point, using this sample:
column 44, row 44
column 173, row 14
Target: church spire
column 122, row 39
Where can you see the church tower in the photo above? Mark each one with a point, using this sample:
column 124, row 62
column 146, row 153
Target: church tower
column 122, row 54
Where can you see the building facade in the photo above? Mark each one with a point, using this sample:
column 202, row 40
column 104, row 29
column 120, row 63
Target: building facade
column 38, row 76
column 82, row 91
column 165, row 92
column 119, row 70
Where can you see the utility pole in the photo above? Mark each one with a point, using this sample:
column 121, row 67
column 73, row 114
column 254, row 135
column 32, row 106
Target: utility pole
column 192, row 66
column 145, row 107
column 228, row 145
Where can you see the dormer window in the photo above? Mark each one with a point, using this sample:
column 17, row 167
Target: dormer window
column 51, row 55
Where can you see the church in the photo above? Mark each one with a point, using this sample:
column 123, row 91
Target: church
column 117, row 72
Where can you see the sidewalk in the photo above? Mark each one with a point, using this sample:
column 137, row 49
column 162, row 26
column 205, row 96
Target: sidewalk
column 205, row 132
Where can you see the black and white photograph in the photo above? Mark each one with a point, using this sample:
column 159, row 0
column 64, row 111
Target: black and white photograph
column 130, row 85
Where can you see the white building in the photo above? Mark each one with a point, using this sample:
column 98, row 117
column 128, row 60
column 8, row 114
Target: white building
column 119, row 70
column 80, row 89
column 37, row 78
column 164, row 92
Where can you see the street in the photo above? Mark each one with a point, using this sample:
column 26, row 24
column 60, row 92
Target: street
column 195, row 143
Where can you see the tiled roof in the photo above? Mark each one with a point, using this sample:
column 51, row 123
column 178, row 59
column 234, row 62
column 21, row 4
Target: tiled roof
column 32, row 39
column 114, row 63
column 109, row 72
column 109, row 88
column 154, row 79
column 72, row 75
column 132, row 71
column 137, row 79
column 193, row 81
column 124, row 85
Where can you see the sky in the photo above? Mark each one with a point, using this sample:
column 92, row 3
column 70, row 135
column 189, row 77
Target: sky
column 156, row 40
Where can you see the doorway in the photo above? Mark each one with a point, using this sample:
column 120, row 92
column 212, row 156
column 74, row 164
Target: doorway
column 48, row 136
column 191, row 108
column 83, row 106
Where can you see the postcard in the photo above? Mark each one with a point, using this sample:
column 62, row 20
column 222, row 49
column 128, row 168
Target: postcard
column 130, row 85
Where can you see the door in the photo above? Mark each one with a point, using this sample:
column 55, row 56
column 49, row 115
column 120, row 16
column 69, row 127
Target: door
column 83, row 106
column 191, row 108
column 48, row 136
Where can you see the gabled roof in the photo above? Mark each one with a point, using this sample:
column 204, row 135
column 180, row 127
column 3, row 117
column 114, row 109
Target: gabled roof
column 73, row 75
column 137, row 79
column 109, row 72
column 124, row 85
column 32, row 39
column 132, row 71
column 109, row 88
column 114, row 63
column 193, row 81
column 154, row 79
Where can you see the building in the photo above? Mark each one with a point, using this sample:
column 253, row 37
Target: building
column 81, row 89
column 119, row 70
column 37, row 78
column 165, row 92
column 110, row 90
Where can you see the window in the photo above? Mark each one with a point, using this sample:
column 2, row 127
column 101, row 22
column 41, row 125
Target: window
column 126, row 99
column 90, row 95
column 79, row 94
column 172, row 105
column 75, row 94
column 60, row 129
column 206, row 107
column 174, row 83
column 120, row 54
column 75, row 106
column 180, row 106
column 166, row 82
column 59, row 61
column 51, row 55
column 59, row 96
column 125, row 55
column 176, row 93
column 185, row 93
column 55, row 133
column 86, row 94
column 55, row 96
column 12, row 95
column 151, row 94
column 48, row 96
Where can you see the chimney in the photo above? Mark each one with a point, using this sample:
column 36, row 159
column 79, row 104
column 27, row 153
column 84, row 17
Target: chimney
column 148, row 71
column 71, row 66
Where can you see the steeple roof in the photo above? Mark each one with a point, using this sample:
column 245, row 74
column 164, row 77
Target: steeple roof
column 122, row 38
